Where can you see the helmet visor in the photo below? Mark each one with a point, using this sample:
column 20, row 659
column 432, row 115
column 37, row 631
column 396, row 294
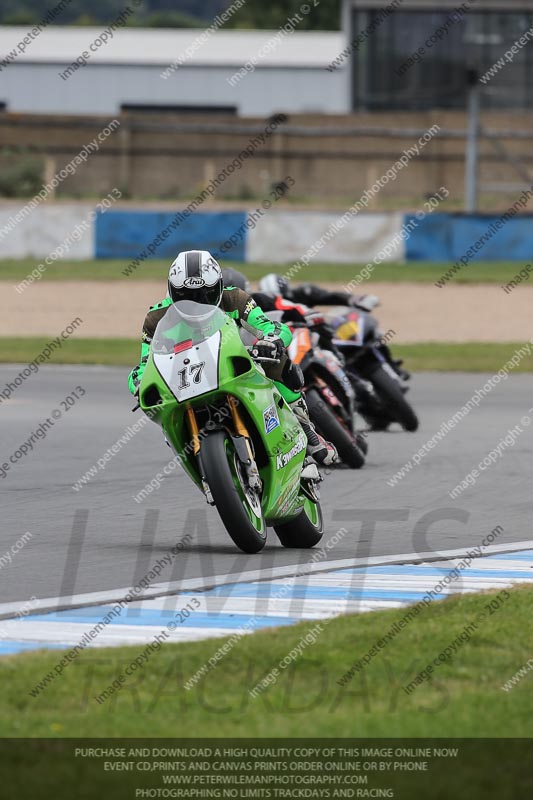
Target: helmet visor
column 207, row 295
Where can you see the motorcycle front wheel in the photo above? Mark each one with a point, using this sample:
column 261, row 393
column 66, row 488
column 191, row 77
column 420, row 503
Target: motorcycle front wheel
column 334, row 431
column 392, row 397
column 238, row 506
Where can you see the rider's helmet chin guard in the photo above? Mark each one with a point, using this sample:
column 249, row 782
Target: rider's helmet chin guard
column 275, row 285
column 196, row 276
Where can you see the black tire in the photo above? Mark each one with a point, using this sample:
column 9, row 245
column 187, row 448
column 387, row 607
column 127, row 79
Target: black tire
column 362, row 443
column 369, row 407
column 301, row 531
column 392, row 397
column 378, row 424
column 229, row 503
column 333, row 430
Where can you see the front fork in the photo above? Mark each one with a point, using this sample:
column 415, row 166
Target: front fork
column 197, row 450
column 243, row 446
column 347, row 415
column 241, row 441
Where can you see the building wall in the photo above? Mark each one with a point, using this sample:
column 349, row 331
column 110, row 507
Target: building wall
column 102, row 89
column 331, row 159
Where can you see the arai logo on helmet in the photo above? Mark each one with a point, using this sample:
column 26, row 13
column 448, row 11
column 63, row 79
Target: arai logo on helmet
column 194, row 283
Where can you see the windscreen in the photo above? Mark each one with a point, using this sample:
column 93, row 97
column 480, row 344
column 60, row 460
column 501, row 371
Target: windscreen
column 186, row 321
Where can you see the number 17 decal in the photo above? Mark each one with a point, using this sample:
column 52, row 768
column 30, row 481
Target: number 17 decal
column 195, row 371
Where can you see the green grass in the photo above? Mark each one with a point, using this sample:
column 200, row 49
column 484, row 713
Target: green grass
column 463, row 698
column 109, row 352
column 460, row 357
column 428, row 356
column 482, row 272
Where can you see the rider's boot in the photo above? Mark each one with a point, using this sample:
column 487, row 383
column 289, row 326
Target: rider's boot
column 321, row 450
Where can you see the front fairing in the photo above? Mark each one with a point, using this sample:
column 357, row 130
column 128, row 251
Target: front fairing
column 355, row 326
column 185, row 348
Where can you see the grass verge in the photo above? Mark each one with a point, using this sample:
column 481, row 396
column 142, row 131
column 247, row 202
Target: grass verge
column 498, row 272
column 427, row 356
column 462, row 698
column 109, row 352
column 461, row 357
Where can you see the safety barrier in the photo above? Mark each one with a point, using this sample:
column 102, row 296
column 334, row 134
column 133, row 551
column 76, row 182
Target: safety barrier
column 264, row 236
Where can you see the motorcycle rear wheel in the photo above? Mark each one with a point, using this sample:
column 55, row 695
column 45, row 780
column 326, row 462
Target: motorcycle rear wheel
column 305, row 530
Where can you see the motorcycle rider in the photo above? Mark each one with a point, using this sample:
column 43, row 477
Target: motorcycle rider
column 276, row 294
column 312, row 295
column 195, row 275
column 293, row 311
column 279, row 289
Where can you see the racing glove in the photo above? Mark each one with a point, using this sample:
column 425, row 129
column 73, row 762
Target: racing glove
column 269, row 347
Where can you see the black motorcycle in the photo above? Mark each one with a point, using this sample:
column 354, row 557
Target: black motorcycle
column 379, row 381
column 328, row 390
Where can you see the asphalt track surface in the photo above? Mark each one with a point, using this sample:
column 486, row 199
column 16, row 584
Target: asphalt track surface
column 99, row 538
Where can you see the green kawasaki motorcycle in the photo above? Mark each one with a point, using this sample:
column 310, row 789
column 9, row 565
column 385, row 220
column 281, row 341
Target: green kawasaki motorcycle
column 233, row 432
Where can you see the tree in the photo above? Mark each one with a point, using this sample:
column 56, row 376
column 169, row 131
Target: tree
column 270, row 14
column 274, row 14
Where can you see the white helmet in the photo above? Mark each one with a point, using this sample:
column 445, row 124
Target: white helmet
column 275, row 285
column 195, row 275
